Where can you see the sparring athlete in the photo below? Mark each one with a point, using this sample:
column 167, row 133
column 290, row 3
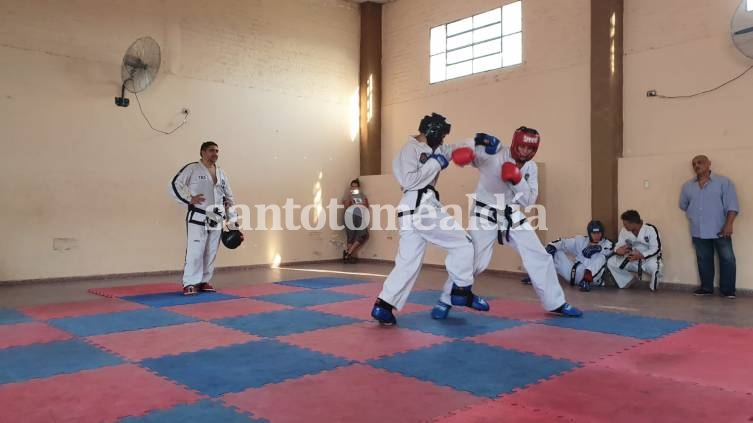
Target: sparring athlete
column 509, row 179
column 204, row 189
column 591, row 252
column 416, row 167
column 638, row 250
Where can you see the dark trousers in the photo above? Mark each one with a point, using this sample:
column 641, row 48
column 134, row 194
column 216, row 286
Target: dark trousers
column 704, row 252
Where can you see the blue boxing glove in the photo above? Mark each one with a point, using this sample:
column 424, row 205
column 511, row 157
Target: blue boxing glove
column 480, row 139
column 551, row 249
column 441, row 159
column 590, row 250
column 490, row 142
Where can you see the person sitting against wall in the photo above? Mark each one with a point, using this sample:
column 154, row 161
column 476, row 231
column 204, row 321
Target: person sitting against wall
column 638, row 250
column 356, row 203
column 589, row 256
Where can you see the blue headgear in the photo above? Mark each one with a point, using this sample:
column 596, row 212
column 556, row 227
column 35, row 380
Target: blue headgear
column 595, row 226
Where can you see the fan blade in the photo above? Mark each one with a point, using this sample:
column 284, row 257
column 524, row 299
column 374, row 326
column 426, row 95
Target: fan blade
column 134, row 62
column 141, row 64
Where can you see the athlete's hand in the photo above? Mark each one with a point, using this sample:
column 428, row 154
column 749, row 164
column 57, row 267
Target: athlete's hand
column 635, row 255
column 197, row 199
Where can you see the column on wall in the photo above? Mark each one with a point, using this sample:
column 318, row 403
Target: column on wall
column 371, row 89
column 606, row 109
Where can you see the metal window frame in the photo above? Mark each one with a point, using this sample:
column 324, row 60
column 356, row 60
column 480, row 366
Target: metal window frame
column 472, row 44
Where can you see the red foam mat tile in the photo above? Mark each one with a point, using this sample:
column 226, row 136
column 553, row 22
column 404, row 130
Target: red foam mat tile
column 369, row 289
column 498, row 412
column 570, row 344
column 80, row 308
column 259, row 289
column 361, row 308
column 595, row 394
column 709, row 355
column 341, row 395
column 101, row 395
column 170, row 340
column 30, row 333
column 363, row 341
column 713, row 338
column 129, row 290
column 228, row 308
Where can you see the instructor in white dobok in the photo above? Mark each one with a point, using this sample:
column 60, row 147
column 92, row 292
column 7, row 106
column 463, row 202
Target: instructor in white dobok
column 416, row 167
column 638, row 250
column 509, row 179
column 204, row 189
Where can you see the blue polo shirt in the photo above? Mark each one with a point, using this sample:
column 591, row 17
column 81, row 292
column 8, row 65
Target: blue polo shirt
column 707, row 207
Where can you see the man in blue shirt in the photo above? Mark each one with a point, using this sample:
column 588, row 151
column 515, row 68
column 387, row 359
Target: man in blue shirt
column 710, row 202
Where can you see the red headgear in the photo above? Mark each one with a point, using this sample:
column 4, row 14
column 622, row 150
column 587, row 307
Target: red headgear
column 528, row 137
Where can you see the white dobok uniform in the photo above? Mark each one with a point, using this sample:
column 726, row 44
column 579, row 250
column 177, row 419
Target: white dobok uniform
column 647, row 242
column 203, row 221
column 573, row 270
column 421, row 221
column 489, row 223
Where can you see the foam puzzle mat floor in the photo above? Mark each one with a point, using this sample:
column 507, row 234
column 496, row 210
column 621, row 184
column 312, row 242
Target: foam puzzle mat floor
column 307, row 350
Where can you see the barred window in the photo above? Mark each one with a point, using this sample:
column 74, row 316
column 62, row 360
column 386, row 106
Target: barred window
column 483, row 42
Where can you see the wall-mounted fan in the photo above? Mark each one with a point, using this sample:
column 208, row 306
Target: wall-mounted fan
column 741, row 28
column 138, row 70
column 140, row 66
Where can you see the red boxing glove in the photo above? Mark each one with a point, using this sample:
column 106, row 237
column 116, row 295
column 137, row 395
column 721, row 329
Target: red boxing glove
column 463, row 156
column 511, row 173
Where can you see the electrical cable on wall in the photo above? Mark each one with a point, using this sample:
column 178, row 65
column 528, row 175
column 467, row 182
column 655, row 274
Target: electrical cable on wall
column 653, row 93
column 741, row 35
column 186, row 112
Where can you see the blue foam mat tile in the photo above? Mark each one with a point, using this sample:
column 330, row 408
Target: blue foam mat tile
column 480, row 369
column 239, row 367
column 284, row 322
column 641, row 327
column 206, row 411
column 43, row 360
column 169, row 299
column 458, row 324
column 308, row 298
column 9, row 317
column 428, row 297
column 322, row 283
column 101, row 324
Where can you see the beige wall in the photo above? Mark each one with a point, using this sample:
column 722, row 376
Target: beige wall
column 549, row 91
column 272, row 82
column 679, row 47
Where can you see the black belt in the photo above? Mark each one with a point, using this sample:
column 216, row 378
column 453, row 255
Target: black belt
column 493, row 219
column 189, row 218
column 420, row 195
column 207, row 221
column 573, row 270
column 640, row 264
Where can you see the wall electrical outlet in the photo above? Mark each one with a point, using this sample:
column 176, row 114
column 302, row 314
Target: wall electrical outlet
column 651, row 93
